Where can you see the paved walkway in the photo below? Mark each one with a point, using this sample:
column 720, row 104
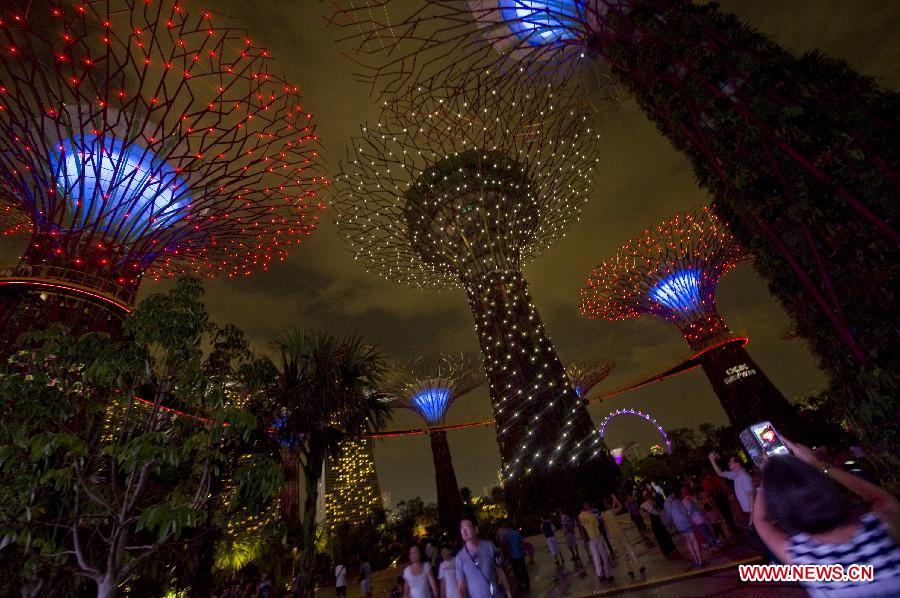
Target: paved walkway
column 663, row 577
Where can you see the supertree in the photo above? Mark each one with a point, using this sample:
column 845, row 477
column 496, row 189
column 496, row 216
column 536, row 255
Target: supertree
column 137, row 139
column 672, row 272
column 586, row 374
column 461, row 190
column 800, row 152
column 429, row 386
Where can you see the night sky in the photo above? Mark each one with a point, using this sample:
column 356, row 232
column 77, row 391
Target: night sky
column 641, row 180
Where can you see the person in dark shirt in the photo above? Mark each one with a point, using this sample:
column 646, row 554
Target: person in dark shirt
column 550, row 536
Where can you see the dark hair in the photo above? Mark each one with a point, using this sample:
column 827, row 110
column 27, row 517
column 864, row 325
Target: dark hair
column 800, row 499
column 470, row 517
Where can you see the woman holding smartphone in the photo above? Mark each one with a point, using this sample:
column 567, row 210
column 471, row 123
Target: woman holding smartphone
column 802, row 514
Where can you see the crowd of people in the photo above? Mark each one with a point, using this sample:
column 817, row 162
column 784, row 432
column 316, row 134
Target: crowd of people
column 796, row 510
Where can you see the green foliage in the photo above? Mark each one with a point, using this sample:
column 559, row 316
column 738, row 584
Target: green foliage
column 97, row 473
column 800, row 155
column 322, row 390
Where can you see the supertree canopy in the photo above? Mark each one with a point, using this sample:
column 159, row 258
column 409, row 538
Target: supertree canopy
column 800, row 152
column 461, row 190
column 586, row 374
column 429, row 386
column 672, row 272
column 139, row 138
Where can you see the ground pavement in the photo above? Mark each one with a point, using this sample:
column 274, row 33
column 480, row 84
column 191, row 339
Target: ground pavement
column 663, row 577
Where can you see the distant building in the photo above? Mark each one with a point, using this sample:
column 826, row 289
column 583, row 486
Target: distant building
column 352, row 493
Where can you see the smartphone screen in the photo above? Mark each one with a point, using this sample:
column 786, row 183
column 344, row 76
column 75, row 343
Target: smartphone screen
column 769, row 439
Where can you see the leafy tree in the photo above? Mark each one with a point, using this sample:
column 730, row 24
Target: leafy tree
column 98, row 473
column 321, row 391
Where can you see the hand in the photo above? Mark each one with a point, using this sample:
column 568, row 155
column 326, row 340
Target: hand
column 804, row 453
column 713, row 455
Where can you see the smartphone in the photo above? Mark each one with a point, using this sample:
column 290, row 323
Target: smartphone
column 761, row 441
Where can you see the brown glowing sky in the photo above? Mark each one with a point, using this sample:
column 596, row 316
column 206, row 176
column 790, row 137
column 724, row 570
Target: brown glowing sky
column 641, row 181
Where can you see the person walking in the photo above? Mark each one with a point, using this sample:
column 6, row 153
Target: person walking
column 682, row 522
column 478, row 570
column 633, row 507
column 340, row 579
column 365, row 577
column 803, row 517
column 568, row 527
column 550, row 537
column 698, row 519
column 663, row 539
column 743, row 483
column 590, row 522
column 418, row 581
column 516, row 545
column 617, row 535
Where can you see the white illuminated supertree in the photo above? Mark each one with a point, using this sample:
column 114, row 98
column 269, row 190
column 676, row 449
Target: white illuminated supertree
column 454, row 189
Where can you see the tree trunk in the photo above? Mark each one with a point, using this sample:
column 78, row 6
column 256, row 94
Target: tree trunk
column 548, row 443
column 108, row 587
column 450, row 503
column 312, row 471
column 745, row 392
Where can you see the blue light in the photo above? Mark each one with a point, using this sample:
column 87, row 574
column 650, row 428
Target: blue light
column 432, row 403
column 541, row 22
column 578, row 391
column 679, row 291
column 125, row 188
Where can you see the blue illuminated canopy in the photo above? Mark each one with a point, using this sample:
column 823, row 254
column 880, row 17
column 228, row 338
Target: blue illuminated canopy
column 541, row 22
column 120, row 187
column 679, row 291
column 432, row 403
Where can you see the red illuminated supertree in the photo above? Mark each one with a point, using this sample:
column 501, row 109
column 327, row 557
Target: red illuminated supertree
column 461, row 190
column 138, row 138
column 799, row 152
column 429, row 386
column 672, row 272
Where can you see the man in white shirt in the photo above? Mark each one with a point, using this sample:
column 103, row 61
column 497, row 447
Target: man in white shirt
column 340, row 579
column 743, row 483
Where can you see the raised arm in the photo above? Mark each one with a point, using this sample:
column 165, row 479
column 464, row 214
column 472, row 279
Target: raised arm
column 616, row 505
column 773, row 537
column 713, row 456
column 883, row 502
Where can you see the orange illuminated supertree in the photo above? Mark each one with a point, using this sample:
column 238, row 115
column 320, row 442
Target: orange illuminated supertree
column 672, row 272
column 586, row 374
column 429, row 386
column 140, row 139
column 461, row 190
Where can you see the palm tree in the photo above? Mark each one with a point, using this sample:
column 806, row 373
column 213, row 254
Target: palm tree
column 321, row 393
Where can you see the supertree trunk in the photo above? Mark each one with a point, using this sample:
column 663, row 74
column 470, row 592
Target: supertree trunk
column 450, row 503
column 745, row 392
column 541, row 423
column 801, row 155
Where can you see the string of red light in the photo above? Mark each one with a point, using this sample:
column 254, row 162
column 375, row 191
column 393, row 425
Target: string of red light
column 681, row 367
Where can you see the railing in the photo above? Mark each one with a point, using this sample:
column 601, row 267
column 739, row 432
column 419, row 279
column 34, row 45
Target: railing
column 76, row 280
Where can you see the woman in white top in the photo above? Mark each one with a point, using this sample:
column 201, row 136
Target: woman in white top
column 418, row 581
